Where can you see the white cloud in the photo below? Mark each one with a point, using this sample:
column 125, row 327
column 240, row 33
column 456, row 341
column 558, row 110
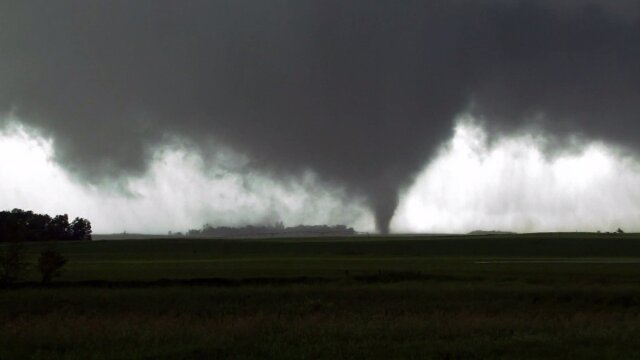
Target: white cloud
column 512, row 185
column 178, row 192
column 506, row 185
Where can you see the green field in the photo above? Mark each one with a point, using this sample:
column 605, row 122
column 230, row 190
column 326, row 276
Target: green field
column 568, row 295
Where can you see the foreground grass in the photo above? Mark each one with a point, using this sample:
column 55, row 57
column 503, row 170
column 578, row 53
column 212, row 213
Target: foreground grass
column 354, row 300
column 340, row 320
column 148, row 260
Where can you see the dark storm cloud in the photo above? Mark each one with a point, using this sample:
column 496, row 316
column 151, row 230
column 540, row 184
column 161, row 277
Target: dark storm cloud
column 361, row 92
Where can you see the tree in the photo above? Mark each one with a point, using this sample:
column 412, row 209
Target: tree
column 13, row 225
column 59, row 228
column 80, row 229
column 37, row 226
column 21, row 225
column 50, row 264
column 12, row 263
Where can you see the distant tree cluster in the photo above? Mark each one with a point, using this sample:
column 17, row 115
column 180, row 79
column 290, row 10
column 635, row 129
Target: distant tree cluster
column 272, row 230
column 21, row 225
column 14, row 264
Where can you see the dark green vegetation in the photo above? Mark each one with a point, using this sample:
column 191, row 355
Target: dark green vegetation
column 502, row 296
column 22, row 225
column 50, row 264
column 277, row 229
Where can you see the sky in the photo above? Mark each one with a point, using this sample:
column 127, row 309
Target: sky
column 412, row 116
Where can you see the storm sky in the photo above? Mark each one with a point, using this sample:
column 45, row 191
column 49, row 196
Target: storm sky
column 349, row 103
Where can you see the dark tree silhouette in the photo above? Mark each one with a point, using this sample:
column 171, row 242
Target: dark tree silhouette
column 273, row 230
column 12, row 263
column 59, row 228
column 37, row 226
column 20, row 225
column 80, row 229
column 50, row 264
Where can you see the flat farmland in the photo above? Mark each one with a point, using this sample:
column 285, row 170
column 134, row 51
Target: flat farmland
column 491, row 296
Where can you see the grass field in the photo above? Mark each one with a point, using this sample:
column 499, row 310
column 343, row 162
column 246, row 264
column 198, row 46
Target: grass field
column 565, row 295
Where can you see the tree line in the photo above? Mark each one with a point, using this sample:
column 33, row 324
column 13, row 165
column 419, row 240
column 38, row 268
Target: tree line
column 21, row 225
column 277, row 229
